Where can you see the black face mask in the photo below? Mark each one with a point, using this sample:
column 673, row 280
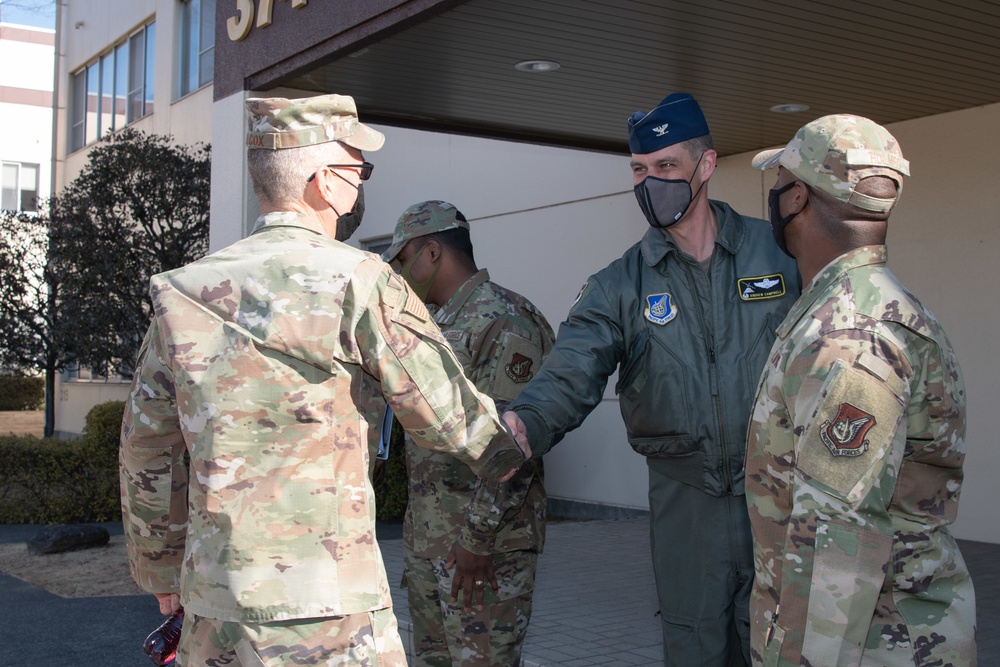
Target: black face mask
column 778, row 223
column 349, row 222
column 665, row 201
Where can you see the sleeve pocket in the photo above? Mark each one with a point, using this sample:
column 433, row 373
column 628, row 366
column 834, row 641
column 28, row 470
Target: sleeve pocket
column 849, row 437
column 848, row 575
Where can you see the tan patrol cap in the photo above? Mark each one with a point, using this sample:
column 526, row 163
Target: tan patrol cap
column 834, row 153
column 277, row 122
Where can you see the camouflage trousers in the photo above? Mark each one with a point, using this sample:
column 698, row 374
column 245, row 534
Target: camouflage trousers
column 444, row 635
column 368, row 639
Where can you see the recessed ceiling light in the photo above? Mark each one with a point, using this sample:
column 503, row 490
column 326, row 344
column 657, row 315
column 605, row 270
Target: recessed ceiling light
column 790, row 108
column 358, row 53
column 537, row 66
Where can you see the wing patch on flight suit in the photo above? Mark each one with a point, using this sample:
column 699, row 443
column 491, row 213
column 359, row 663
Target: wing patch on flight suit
column 761, row 287
column 660, row 308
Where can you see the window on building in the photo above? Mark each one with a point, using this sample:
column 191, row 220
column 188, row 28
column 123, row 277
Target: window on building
column 77, row 373
column 197, row 47
column 377, row 245
column 20, row 186
column 114, row 90
column 121, row 85
column 79, row 110
column 136, row 75
column 93, row 102
column 107, row 102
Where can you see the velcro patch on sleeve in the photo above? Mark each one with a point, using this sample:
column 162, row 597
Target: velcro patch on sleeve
column 850, row 434
column 409, row 310
column 516, row 362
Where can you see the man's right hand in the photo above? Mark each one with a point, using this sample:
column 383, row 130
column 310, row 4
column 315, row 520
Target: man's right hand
column 518, row 430
column 515, row 428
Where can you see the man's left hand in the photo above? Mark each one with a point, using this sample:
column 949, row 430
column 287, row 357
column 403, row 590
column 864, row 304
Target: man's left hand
column 169, row 602
column 472, row 572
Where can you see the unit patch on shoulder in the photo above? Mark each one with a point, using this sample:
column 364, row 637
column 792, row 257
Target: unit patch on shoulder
column 579, row 295
column 844, row 435
column 660, row 308
column 761, row 287
column 519, row 368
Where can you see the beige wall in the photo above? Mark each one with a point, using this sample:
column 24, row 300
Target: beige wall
column 542, row 221
column 75, row 399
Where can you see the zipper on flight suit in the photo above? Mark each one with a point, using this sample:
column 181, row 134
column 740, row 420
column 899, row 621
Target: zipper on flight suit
column 713, row 377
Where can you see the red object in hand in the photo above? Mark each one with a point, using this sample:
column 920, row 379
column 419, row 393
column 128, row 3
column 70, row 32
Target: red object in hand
column 161, row 644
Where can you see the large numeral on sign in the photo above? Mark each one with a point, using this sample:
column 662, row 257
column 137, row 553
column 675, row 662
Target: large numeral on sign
column 264, row 15
column 240, row 28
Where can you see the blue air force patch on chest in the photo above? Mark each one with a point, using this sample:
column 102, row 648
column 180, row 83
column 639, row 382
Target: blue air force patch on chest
column 762, row 287
column 660, row 308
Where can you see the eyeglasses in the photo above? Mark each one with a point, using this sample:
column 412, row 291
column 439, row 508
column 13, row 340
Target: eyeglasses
column 365, row 167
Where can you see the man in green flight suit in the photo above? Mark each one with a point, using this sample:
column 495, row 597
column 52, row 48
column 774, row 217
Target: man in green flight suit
column 857, row 439
column 687, row 317
column 490, row 533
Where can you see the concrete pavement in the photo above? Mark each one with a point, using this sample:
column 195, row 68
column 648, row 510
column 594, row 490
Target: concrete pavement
column 594, row 605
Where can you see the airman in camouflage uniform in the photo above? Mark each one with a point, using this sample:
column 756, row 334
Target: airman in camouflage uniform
column 492, row 532
column 248, row 436
column 857, row 437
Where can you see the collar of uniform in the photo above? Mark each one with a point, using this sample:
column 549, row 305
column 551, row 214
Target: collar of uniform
column 830, row 275
column 287, row 219
column 656, row 243
column 450, row 310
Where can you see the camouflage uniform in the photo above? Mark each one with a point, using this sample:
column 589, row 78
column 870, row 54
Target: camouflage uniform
column 853, row 472
column 854, row 467
column 249, row 431
column 500, row 339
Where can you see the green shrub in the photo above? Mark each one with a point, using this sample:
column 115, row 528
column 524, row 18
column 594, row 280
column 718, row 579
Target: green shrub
column 63, row 481
column 21, row 393
column 76, row 481
column 390, row 482
column 101, row 491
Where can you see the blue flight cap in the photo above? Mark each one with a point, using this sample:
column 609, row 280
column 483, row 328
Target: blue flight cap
column 677, row 118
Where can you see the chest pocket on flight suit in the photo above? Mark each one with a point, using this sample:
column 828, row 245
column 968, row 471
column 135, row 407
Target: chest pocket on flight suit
column 654, row 398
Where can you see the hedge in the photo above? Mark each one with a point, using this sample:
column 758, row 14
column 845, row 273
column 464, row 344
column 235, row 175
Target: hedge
column 76, row 481
column 390, row 482
column 21, row 393
column 63, row 481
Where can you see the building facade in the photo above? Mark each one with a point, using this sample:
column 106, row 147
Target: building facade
column 544, row 215
column 25, row 114
column 145, row 64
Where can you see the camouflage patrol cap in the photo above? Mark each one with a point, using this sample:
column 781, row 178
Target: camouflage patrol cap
column 277, row 122
column 427, row 217
column 833, row 153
